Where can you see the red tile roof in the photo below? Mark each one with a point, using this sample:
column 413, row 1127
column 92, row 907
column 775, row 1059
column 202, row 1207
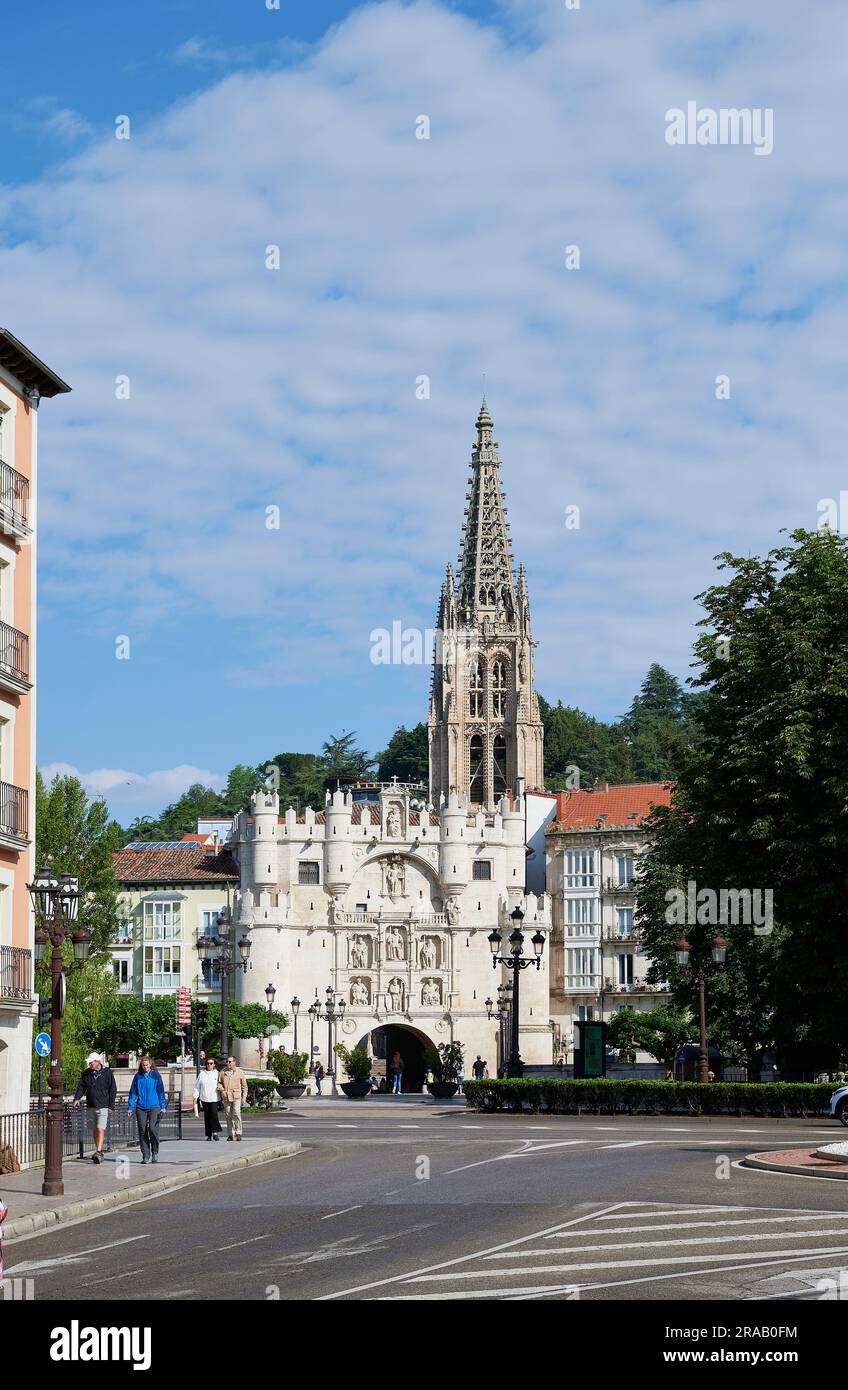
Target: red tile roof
column 194, row 864
column 620, row 806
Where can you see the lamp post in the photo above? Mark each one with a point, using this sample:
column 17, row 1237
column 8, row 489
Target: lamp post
column 333, row 1013
column 220, row 951
column 515, row 963
column 270, row 993
column 500, row 1011
column 56, row 902
column 295, row 1006
column 314, row 1011
column 718, row 951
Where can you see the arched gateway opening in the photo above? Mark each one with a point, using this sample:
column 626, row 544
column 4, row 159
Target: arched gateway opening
column 382, row 1043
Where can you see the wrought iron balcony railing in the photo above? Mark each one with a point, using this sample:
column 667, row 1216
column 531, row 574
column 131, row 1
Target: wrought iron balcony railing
column 14, row 497
column 14, row 810
column 14, row 652
column 15, row 973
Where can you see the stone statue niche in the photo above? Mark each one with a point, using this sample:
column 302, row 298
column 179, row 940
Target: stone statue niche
column 395, row 944
column 395, row 996
column 394, row 820
column 431, row 993
column 360, row 993
column 358, row 952
column 394, row 877
column 428, row 953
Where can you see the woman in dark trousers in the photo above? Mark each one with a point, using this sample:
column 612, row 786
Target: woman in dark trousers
column 206, row 1092
column 147, row 1099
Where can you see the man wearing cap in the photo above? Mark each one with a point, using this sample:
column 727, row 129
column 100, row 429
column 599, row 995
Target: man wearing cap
column 97, row 1084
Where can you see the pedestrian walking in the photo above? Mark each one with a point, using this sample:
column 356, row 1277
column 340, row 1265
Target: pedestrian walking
column 97, row 1084
column 480, row 1068
column 397, row 1074
column 460, row 1076
column 319, row 1077
column 232, row 1088
column 147, row 1100
column 206, row 1092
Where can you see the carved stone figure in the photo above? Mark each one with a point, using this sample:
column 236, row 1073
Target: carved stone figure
column 393, row 823
column 427, row 954
column 358, row 953
column 359, row 995
column 394, row 880
column 394, row 944
column 452, row 910
column 396, row 996
column 431, row 993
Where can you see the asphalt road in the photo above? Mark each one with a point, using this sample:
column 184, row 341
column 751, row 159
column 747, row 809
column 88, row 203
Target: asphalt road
column 407, row 1203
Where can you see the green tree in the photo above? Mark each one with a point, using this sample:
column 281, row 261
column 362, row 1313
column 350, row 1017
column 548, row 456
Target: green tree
column 344, row 760
column 761, row 802
column 180, row 818
column 243, row 1021
column 76, row 836
column 242, row 782
column 406, row 756
column 660, row 1032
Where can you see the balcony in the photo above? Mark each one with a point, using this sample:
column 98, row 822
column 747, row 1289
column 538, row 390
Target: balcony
column 624, row 936
column 14, row 815
column 14, row 660
column 582, row 984
column 14, row 502
column 624, row 885
column 207, row 984
column 122, row 939
column 635, row 987
column 15, row 975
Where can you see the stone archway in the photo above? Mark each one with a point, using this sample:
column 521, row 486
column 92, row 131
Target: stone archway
column 383, row 1042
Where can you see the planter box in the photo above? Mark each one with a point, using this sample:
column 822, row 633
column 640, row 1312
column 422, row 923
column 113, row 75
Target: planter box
column 442, row 1090
column 290, row 1092
column 356, row 1090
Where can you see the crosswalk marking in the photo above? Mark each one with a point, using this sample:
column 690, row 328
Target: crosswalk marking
column 614, row 1264
column 668, row 1244
column 694, row 1225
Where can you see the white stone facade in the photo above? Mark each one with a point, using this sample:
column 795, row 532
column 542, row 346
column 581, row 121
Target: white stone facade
column 391, row 905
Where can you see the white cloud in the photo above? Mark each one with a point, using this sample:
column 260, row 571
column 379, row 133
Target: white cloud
column 401, row 257
column 131, row 794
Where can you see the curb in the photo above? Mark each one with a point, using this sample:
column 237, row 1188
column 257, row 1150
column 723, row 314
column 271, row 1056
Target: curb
column 795, row 1169
column 58, row 1216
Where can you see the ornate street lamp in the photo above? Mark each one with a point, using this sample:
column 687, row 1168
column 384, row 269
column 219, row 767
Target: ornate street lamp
column 220, row 951
column 55, row 899
column 314, row 1011
column 295, row 1007
column 270, row 992
column 515, row 962
column 333, row 1013
column 683, row 953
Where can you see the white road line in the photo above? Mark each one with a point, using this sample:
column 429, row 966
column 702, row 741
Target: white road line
column 546, row 1290
column 407, row 1126
column 345, row 1126
column 331, row 1214
column 722, row 1225
column 29, row 1266
column 612, row 1264
column 237, row 1243
column 462, row 1259
column 516, row 1153
column 631, row 1143
column 668, row 1244
column 127, row 1274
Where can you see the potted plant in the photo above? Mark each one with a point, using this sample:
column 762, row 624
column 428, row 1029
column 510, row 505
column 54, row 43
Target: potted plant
column 445, row 1063
column 357, row 1065
column 290, row 1069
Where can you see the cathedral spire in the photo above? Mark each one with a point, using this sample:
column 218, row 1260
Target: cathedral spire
column 486, row 583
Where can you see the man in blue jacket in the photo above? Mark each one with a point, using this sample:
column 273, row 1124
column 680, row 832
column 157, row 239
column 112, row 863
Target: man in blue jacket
column 147, row 1099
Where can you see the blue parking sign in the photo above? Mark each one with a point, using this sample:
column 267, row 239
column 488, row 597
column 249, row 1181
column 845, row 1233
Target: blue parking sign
column 42, row 1044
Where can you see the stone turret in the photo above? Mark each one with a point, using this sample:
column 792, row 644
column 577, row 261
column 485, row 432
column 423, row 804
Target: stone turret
column 262, row 855
column 338, row 851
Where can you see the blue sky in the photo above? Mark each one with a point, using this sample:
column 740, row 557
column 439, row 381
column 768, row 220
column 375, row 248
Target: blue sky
column 295, row 388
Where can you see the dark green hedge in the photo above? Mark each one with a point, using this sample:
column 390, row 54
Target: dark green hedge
column 601, row 1097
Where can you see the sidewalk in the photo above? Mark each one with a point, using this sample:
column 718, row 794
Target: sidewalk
column 122, row 1178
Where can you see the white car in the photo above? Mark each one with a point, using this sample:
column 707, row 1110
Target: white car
column 839, row 1104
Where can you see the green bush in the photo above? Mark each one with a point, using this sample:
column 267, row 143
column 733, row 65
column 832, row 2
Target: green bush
column 573, row 1097
column 261, row 1092
column 445, row 1062
column 356, row 1061
column 290, row 1068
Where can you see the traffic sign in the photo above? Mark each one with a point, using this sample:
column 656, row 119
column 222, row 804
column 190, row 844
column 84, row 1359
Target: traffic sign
column 42, row 1044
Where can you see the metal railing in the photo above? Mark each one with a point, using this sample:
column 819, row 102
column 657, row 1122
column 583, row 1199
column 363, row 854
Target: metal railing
column 14, row 810
column 22, row 1135
column 14, row 495
column 14, row 652
column 15, row 973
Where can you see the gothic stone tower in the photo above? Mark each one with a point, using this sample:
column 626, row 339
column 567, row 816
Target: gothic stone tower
column 484, row 726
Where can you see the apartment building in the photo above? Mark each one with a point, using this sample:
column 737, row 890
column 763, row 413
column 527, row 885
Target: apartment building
column 593, row 842
column 171, row 892
column 24, row 382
